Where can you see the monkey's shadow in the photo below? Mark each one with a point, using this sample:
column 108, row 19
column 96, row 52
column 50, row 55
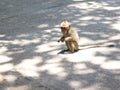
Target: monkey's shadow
column 66, row 51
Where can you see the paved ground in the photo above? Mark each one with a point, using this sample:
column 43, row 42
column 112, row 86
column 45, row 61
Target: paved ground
column 29, row 58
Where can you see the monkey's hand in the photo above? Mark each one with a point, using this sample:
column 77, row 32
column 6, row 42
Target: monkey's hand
column 62, row 39
column 58, row 40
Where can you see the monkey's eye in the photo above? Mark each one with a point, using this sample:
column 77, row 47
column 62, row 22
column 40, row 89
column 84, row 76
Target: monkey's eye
column 63, row 28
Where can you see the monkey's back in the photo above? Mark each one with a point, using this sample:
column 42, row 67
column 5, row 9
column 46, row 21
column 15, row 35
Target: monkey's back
column 74, row 34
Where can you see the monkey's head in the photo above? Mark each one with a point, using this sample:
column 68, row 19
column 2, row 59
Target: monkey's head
column 65, row 26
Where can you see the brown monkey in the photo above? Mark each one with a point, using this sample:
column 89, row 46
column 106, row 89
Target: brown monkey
column 70, row 36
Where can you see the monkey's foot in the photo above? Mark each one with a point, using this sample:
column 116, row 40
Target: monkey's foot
column 76, row 50
column 67, row 51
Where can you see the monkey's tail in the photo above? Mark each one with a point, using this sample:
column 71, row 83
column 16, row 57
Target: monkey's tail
column 96, row 46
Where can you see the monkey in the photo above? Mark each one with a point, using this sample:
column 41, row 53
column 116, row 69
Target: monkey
column 71, row 39
column 69, row 36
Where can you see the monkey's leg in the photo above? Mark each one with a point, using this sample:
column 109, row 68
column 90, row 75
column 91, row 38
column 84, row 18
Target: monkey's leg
column 67, row 44
column 75, row 45
column 70, row 45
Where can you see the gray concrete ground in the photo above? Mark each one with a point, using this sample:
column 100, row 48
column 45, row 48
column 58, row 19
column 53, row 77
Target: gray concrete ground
column 29, row 30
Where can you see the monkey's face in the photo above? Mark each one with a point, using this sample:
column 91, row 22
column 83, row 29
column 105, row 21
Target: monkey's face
column 64, row 30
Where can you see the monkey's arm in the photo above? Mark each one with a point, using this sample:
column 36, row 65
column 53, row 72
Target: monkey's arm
column 61, row 39
column 68, row 38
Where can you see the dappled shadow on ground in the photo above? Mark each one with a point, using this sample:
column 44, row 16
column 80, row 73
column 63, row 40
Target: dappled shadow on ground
column 28, row 48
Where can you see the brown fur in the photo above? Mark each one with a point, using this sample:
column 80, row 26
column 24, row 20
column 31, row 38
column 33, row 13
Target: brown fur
column 71, row 39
